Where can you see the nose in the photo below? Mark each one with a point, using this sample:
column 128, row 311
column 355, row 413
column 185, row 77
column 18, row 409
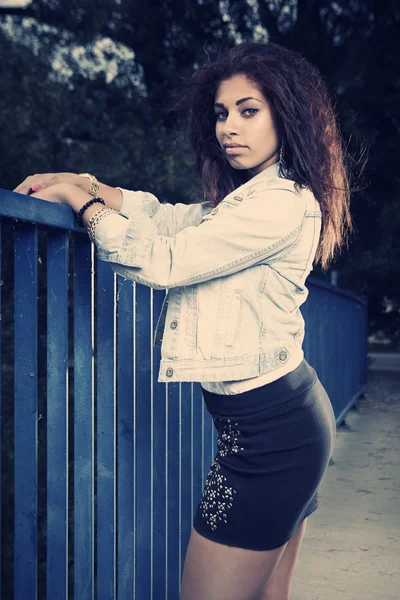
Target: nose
column 231, row 125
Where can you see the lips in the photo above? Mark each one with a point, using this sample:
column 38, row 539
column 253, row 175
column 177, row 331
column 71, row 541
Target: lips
column 233, row 148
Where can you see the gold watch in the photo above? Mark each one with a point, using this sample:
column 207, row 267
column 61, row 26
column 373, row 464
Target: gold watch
column 94, row 184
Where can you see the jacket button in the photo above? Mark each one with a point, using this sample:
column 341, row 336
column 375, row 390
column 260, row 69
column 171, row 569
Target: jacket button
column 214, row 211
column 174, row 324
column 283, row 355
column 169, row 372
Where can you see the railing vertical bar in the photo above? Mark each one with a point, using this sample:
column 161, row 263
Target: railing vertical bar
column 209, row 442
column 203, row 417
column 143, row 438
column 125, row 440
column 105, row 433
column 57, row 415
column 1, row 360
column 191, row 452
column 83, row 420
column 25, row 410
column 198, row 403
column 180, row 487
column 167, row 578
column 159, row 483
column 174, row 579
column 186, row 468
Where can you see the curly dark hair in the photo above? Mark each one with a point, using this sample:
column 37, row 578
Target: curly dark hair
column 312, row 146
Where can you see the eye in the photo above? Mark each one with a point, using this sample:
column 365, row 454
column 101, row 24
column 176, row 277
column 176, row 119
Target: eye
column 221, row 116
column 252, row 111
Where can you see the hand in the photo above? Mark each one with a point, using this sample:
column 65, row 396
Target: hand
column 59, row 193
column 41, row 181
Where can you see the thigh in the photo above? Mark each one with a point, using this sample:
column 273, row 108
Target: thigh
column 278, row 587
column 217, row 572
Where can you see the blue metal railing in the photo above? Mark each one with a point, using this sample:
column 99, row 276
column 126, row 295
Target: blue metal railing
column 126, row 456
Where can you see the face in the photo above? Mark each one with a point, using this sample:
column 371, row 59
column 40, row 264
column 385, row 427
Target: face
column 245, row 127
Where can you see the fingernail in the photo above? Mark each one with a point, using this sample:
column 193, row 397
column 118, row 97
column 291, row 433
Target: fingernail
column 35, row 187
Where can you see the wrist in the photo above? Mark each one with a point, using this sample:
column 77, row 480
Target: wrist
column 90, row 212
column 77, row 198
column 74, row 196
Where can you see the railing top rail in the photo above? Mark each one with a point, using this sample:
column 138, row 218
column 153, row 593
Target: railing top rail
column 35, row 210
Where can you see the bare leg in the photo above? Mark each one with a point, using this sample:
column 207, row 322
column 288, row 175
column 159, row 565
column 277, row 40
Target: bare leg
column 279, row 585
column 213, row 571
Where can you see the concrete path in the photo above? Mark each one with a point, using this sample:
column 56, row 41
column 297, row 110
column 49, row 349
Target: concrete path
column 351, row 548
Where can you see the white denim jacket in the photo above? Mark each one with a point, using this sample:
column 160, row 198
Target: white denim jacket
column 235, row 277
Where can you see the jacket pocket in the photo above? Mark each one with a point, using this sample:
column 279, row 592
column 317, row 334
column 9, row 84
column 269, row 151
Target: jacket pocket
column 234, row 318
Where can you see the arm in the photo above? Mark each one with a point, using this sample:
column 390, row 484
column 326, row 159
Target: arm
column 168, row 218
column 261, row 229
column 33, row 183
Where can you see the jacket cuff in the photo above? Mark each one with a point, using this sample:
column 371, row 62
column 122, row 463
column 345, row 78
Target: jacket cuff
column 125, row 241
column 140, row 234
column 109, row 235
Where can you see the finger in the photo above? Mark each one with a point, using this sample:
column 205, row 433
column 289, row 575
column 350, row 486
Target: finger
column 25, row 186
column 22, row 186
column 33, row 183
column 22, row 189
column 46, row 180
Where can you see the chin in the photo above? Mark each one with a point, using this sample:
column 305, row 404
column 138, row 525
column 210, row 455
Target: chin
column 238, row 166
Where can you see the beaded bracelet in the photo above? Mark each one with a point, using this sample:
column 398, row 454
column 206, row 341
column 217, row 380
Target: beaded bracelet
column 84, row 207
column 97, row 217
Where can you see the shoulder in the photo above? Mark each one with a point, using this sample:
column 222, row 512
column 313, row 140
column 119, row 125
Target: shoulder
column 284, row 192
column 276, row 196
column 268, row 184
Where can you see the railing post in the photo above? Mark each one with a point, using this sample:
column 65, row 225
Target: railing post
column 57, row 415
column 83, row 420
column 25, row 411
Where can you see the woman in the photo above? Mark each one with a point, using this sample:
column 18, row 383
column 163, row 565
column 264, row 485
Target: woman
column 268, row 148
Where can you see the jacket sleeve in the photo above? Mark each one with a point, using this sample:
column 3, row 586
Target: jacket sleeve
column 262, row 228
column 168, row 218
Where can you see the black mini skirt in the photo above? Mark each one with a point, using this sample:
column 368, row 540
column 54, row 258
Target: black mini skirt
column 274, row 445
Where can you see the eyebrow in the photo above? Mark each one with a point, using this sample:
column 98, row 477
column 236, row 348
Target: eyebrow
column 221, row 105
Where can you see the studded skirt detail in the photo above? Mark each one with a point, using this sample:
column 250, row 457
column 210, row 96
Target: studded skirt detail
column 273, row 448
column 218, row 495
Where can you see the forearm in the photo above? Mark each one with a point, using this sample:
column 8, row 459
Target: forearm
column 76, row 198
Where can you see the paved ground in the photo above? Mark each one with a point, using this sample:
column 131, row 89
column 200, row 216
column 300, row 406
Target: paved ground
column 351, row 548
